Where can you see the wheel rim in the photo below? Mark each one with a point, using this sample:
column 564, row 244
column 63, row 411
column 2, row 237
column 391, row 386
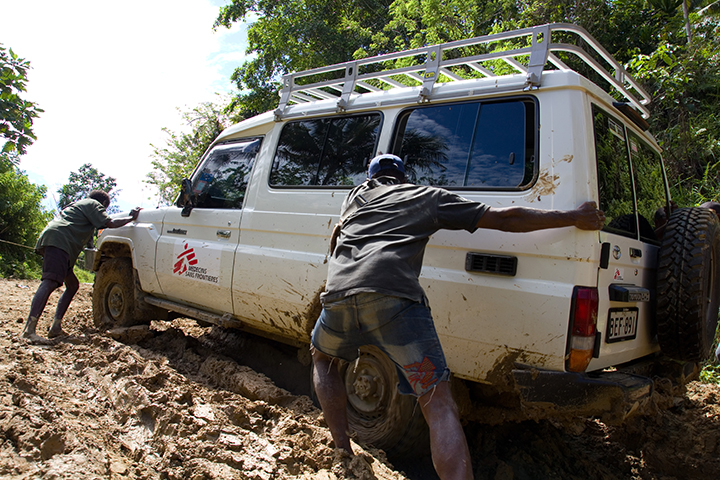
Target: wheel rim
column 115, row 301
column 367, row 385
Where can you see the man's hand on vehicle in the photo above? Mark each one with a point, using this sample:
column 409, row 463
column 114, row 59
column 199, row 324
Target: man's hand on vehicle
column 121, row 221
column 589, row 217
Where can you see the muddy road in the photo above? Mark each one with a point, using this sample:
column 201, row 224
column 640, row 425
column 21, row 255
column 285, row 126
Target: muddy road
column 178, row 401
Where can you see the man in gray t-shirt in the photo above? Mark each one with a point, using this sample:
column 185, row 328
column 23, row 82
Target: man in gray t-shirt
column 382, row 244
column 373, row 295
column 60, row 243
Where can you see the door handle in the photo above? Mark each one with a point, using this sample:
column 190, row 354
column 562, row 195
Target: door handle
column 223, row 233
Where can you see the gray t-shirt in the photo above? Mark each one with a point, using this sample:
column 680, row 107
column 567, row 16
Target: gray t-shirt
column 74, row 228
column 381, row 246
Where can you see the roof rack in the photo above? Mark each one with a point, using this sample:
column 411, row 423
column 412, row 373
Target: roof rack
column 426, row 65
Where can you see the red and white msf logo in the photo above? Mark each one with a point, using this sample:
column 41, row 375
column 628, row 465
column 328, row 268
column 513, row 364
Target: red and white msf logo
column 185, row 258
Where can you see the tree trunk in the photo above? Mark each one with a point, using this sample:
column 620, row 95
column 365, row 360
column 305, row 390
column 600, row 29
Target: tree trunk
column 687, row 21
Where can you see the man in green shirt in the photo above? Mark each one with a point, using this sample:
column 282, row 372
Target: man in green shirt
column 60, row 243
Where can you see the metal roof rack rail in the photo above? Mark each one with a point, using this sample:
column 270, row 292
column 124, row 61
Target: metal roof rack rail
column 425, row 66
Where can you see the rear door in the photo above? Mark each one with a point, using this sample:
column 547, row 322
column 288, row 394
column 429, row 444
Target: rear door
column 632, row 190
column 195, row 253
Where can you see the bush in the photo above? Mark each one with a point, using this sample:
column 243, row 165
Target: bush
column 22, row 218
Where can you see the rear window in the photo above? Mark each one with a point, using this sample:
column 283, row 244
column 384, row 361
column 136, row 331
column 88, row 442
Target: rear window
column 631, row 180
column 326, row 151
column 475, row 145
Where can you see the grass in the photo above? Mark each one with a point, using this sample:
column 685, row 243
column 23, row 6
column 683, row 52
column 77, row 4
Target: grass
column 84, row 276
column 710, row 374
column 692, row 191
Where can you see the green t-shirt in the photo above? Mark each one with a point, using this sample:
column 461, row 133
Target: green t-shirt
column 75, row 227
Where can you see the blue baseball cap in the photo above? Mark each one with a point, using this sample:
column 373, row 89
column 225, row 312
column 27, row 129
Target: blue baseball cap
column 385, row 161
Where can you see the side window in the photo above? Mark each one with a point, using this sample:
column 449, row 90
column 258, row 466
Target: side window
column 222, row 179
column 475, row 144
column 615, row 182
column 326, row 151
column 649, row 186
column 617, row 155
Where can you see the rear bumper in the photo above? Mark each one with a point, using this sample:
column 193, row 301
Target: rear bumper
column 612, row 395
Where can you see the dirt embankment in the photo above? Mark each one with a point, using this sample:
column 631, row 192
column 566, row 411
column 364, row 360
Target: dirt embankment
column 179, row 401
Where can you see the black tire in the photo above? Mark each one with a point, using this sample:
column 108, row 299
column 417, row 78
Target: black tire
column 687, row 285
column 116, row 300
column 377, row 412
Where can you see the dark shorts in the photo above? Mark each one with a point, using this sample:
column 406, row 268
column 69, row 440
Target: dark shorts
column 56, row 265
column 403, row 329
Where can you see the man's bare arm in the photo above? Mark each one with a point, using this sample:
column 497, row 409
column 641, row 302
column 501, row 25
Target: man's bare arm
column 524, row 219
column 119, row 222
column 334, row 236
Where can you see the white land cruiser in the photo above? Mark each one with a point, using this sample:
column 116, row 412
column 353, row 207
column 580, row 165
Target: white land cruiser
column 548, row 323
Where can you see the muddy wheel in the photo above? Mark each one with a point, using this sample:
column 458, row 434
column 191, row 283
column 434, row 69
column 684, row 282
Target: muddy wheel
column 687, row 288
column 377, row 413
column 115, row 298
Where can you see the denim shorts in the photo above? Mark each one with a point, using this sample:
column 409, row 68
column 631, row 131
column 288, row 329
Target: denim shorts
column 403, row 329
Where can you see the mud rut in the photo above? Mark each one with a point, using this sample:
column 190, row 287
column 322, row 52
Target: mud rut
column 179, row 401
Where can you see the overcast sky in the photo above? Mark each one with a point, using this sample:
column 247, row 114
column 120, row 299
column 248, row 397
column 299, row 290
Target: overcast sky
column 110, row 76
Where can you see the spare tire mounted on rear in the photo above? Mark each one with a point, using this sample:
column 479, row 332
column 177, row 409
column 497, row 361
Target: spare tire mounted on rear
column 687, row 287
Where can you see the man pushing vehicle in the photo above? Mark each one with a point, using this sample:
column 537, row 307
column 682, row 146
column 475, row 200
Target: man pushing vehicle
column 60, row 244
column 373, row 295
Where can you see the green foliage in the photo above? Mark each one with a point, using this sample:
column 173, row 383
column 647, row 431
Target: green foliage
column 690, row 192
column 415, row 24
column 294, row 35
column 183, row 151
column 711, row 10
column 16, row 114
column 22, row 218
column 286, row 36
column 84, row 276
column 710, row 374
column 84, row 181
column 685, row 84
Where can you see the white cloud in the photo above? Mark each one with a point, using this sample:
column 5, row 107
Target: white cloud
column 110, row 76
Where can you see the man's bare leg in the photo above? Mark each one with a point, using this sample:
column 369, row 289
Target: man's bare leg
column 37, row 306
column 330, row 391
column 71, row 287
column 448, row 445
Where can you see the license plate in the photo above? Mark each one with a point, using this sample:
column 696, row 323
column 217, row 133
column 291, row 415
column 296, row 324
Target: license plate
column 622, row 324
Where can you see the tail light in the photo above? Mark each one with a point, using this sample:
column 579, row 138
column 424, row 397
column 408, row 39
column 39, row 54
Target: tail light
column 583, row 328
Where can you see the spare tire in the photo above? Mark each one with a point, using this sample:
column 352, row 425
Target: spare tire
column 687, row 284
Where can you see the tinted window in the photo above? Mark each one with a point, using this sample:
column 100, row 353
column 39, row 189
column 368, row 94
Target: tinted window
column 222, row 179
column 618, row 155
column 649, row 185
column 327, row 151
column 615, row 184
column 474, row 144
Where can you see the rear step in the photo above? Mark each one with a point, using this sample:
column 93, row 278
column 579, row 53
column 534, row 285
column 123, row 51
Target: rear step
column 616, row 394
